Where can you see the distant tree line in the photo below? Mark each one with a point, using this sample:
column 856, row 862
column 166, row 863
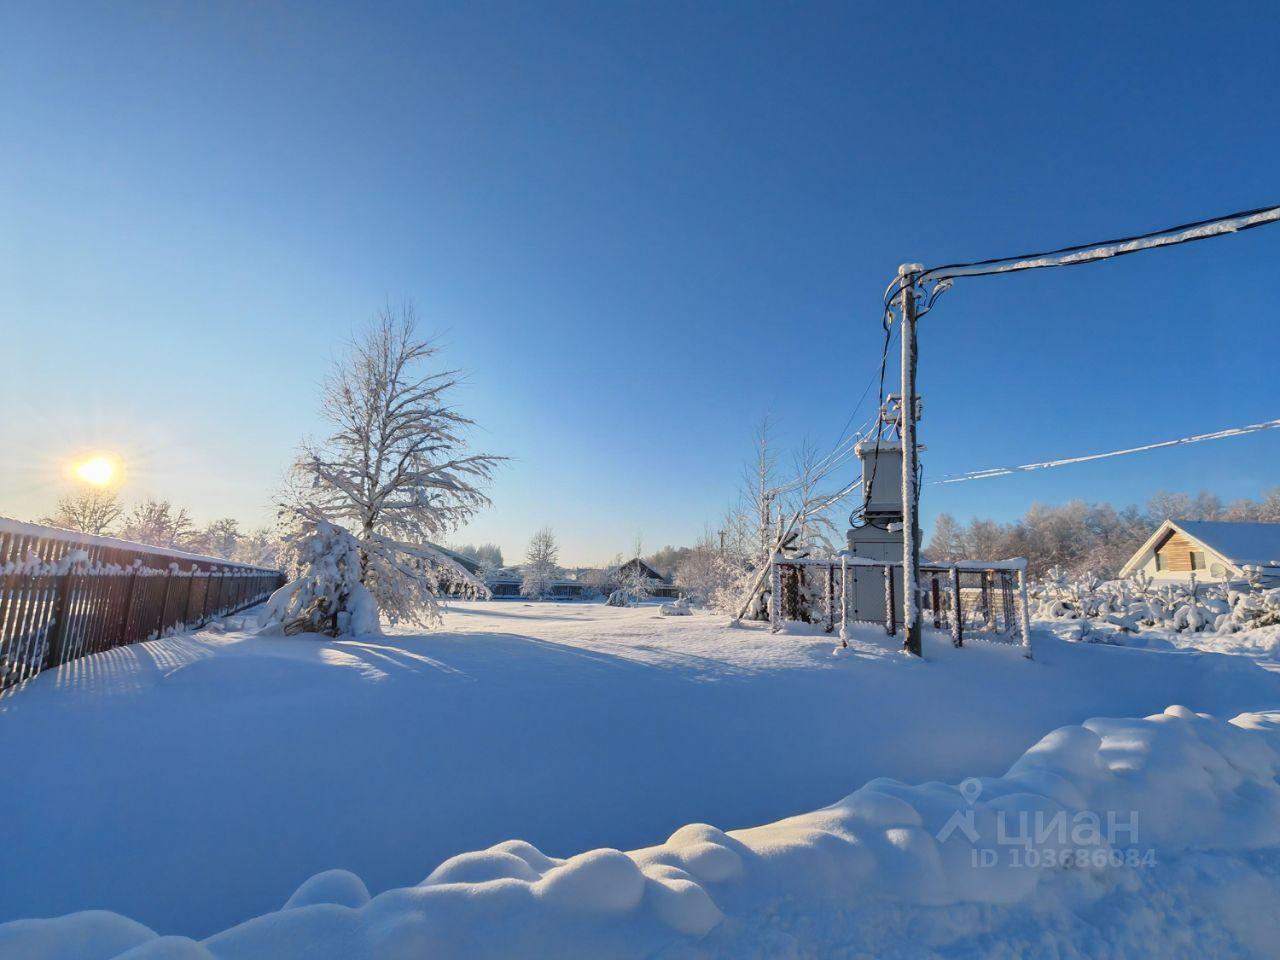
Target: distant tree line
column 159, row 523
column 1081, row 537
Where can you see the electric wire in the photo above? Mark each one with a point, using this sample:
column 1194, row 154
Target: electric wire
column 1068, row 461
column 1108, row 249
column 842, row 449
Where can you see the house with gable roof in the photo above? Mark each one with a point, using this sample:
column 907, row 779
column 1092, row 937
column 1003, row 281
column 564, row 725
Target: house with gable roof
column 1215, row 551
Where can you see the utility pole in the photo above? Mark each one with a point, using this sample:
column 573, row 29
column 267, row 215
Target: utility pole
column 909, row 272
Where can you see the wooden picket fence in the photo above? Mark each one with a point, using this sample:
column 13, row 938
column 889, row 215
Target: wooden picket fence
column 65, row 595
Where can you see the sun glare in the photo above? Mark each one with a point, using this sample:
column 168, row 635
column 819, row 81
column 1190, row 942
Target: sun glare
column 100, row 471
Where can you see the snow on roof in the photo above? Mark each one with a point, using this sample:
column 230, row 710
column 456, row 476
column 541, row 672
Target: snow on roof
column 647, row 570
column 504, row 575
column 469, row 564
column 1241, row 543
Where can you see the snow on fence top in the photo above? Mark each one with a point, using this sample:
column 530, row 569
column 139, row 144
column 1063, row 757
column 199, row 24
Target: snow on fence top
column 11, row 531
column 1013, row 564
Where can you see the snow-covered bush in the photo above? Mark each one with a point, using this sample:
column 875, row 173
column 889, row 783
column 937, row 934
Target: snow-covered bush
column 1143, row 603
column 624, row 583
column 634, row 583
column 677, row 608
column 719, row 579
column 326, row 595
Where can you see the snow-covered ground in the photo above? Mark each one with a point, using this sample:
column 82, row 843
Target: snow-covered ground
column 193, row 783
column 1260, row 643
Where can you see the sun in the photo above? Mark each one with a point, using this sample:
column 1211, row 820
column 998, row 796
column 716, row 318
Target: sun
column 98, row 471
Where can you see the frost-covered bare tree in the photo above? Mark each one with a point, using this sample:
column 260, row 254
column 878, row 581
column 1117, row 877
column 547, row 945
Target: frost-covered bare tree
column 947, row 542
column 260, row 547
column 666, row 560
column 702, row 571
column 816, row 533
column 395, row 472
column 1081, row 538
column 603, row 580
column 221, row 538
column 541, row 565
column 488, row 555
column 89, row 511
column 758, row 485
column 160, row 524
column 633, row 580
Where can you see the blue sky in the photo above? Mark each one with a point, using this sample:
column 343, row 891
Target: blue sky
column 639, row 227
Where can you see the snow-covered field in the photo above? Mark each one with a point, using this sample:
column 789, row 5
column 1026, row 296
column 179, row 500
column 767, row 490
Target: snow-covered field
column 196, row 782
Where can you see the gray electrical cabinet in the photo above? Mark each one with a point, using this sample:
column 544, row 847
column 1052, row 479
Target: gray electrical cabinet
column 873, row 539
column 866, row 587
column 881, row 477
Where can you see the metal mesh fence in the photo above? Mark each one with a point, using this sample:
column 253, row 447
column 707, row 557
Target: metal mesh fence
column 970, row 602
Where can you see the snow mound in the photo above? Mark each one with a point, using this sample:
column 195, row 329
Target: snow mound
column 88, row 935
column 333, row 886
column 1128, row 834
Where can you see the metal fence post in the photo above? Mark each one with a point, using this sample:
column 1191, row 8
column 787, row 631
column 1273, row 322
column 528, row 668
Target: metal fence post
column 56, row 649
column 844, row 601
column 164, row 604
column 775, row 599
column 987, row 612
column 126, row 609
column 1025, row 617
column 890, row 613
column 191, row 588
column 957, row 610
column 831, row 597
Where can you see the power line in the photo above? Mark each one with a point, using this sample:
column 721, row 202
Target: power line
column 1027, row 467
column 843, row 449
column 918, row 288
column 1104, row 249
column 886, row 320
column 942, row 277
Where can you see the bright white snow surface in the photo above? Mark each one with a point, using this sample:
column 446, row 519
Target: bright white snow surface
column 198, row 781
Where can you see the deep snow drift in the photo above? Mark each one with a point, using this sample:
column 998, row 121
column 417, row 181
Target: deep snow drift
column 1125, row 838
column 194, row 782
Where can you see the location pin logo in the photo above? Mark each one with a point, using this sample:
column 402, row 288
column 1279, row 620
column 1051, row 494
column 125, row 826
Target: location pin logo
column 970, row 789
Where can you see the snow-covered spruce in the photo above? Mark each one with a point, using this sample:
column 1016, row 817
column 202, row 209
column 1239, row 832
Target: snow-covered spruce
column 1163, row 838
column 327, row 595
